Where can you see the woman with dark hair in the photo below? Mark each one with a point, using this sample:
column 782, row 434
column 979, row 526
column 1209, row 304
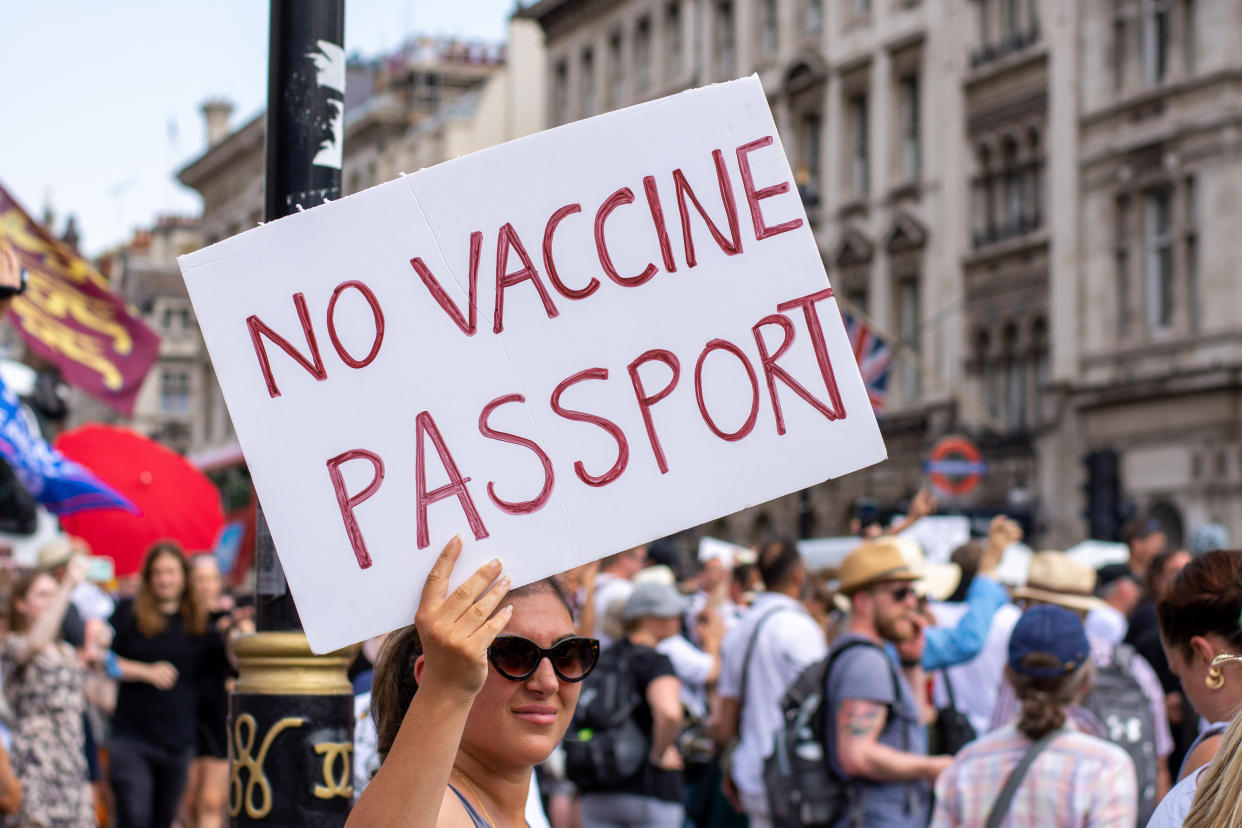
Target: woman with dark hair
column 1199, row 620
column 204, row 803
column 1041, row 770
column 470, row 698
column 161, row 645
column 43, row 681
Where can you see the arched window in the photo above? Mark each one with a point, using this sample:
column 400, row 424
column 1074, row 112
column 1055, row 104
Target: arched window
column 1035, row 178
column 1014, row 188
column 1040, row 350
column 1015, row 379
column 986, row 362
column 985, row 198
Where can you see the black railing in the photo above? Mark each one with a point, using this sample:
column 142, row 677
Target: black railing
column 994, row 233
column 1009, row 43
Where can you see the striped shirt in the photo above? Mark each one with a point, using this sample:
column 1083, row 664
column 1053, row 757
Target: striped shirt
column 1076, row 780
column 1007, row 704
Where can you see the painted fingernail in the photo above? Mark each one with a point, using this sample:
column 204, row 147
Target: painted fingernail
column 507, row 611
column 494, row 563
column 504, row 583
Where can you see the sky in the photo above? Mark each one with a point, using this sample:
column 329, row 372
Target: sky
column 101, row 100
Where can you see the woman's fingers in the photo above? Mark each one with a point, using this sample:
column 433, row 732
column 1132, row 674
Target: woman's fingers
column 491, row 628
column 460, row 599
column 436, row 586
column 482, row 609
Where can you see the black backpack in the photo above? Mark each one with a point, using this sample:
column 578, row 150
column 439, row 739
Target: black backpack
column 1118, row 701
column 605, row 746
column 802, row 789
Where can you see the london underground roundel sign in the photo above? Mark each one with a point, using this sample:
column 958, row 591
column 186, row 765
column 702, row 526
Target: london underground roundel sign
column 955, row 465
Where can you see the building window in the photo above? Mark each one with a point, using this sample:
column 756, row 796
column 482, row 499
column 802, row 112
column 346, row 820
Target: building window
column 1119, row 52
column 588, row 82
column 673, row 39
column 808, row 170
column 1004, row 29
column 174, row 392
column 985, row 200
column 859, row 184
column 1041, row 351
column 911, row 336
column 177, row 322
column 726, row 44
column 768, row 27
column 909, row 133
column 814, row 17
column 560, row 92
column 1192, row 255
column 616, row 74
column 1155, row 40
column 642, row 55
column 991, row 377
column 1121, row 259
column 1015, row 380
column 1035, row 180
column 1009, row 189
column 856, row 300
column 1190, row 42
column 1011, row 19
column 1014, row 188
column 1158, row 258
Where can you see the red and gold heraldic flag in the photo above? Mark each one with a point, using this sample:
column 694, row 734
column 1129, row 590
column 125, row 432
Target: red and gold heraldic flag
column 70, row 316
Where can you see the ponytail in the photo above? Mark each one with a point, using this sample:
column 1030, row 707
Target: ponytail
column 1044, row 700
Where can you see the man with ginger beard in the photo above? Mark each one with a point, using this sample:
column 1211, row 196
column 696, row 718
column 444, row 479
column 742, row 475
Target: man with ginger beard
column 875, row 737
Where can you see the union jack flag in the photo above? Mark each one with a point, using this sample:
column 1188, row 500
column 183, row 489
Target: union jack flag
column 874, row 360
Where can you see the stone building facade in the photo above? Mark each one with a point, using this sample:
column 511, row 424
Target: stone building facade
column 1159, row 314
column 866, row 96
column 1034, row 199
column 179, row 403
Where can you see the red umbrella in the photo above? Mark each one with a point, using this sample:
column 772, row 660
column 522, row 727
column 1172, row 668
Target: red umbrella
column 176, row 500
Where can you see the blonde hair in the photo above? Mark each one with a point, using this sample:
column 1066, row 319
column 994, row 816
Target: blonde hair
column 1218, row 798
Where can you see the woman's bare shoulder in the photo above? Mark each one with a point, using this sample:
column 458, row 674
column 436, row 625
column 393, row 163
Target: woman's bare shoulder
column 1203, row 753
column 452, row 813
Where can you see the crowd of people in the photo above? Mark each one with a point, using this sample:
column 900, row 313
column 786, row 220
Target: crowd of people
column 889, row 691
column 114, row 702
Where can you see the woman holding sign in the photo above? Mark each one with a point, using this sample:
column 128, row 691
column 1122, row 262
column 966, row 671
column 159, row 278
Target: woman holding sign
column 470, row 698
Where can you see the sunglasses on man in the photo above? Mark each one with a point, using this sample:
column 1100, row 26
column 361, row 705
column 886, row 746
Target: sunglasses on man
column 517, row 658
column 898, row 594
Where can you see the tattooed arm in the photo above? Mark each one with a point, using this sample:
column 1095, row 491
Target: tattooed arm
column 859, row 723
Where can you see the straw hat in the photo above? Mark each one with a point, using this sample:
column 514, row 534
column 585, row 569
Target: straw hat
column 56, row 552
column 1056, row 578
column 937, row 581
column 874, row 562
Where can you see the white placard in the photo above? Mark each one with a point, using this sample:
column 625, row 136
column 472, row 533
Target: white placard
column 501, row 334
column 939, row 535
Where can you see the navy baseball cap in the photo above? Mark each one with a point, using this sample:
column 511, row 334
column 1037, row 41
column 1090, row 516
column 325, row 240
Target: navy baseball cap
column 1048, row 641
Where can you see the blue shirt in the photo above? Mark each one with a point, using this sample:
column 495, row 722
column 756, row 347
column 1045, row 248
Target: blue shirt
column 946, row 647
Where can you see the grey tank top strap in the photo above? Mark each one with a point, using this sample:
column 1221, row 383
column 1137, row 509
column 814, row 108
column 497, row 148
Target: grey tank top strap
column 479, row 821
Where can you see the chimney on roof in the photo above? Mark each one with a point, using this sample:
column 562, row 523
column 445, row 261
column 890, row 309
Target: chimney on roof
column 216, row 113
column 71, row 236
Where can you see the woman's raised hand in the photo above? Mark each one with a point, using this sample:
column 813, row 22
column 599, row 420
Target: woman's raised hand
column 457, row 628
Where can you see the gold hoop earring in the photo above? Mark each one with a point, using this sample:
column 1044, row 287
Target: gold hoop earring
column 1215, row 679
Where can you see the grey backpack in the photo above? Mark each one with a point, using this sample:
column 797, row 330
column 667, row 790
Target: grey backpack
column 1118, row 701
